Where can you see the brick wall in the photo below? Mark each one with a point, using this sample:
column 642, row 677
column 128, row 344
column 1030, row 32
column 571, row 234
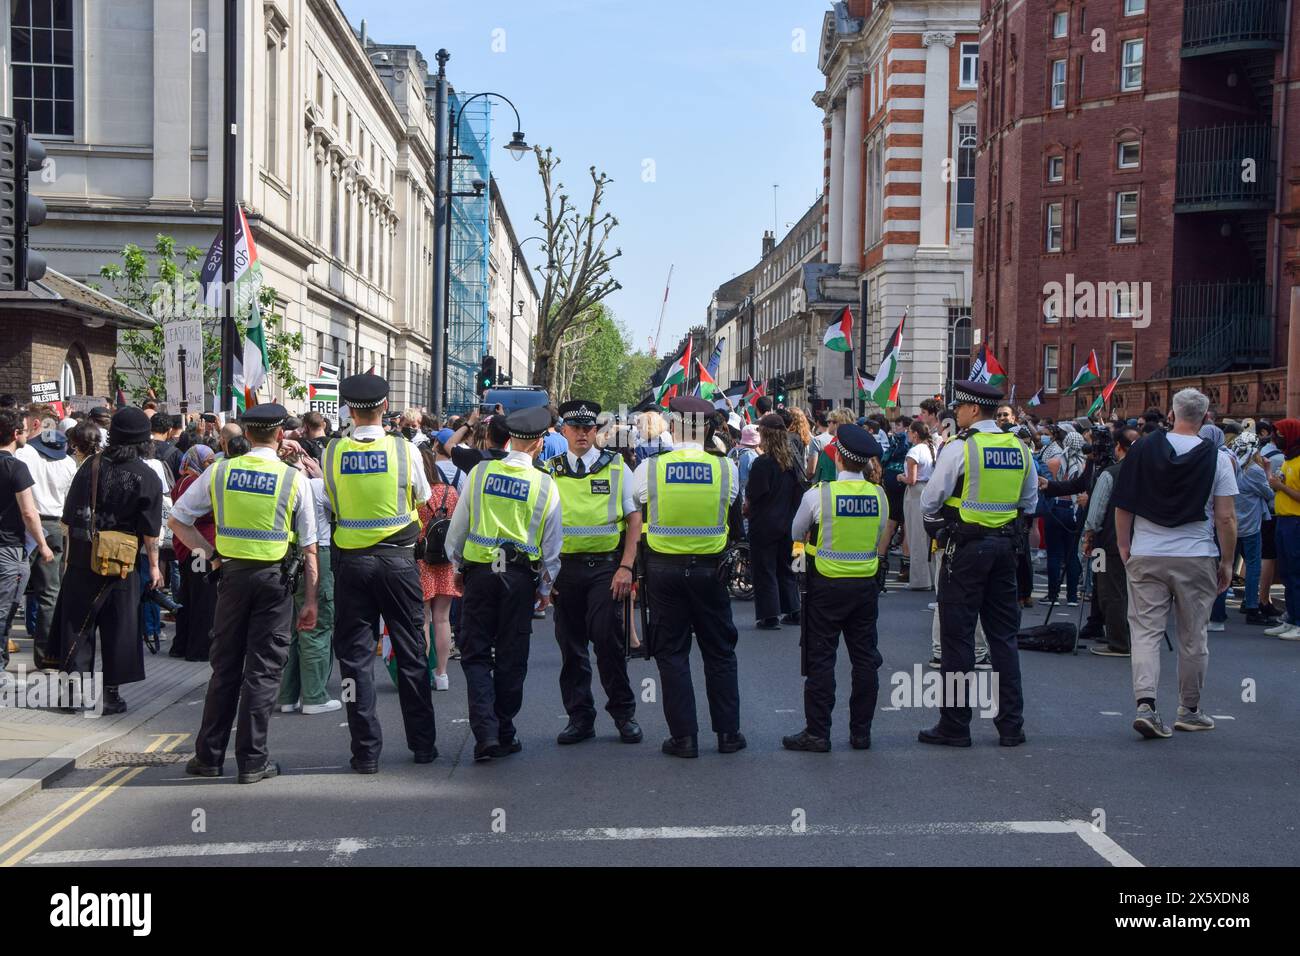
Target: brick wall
column 35, row 345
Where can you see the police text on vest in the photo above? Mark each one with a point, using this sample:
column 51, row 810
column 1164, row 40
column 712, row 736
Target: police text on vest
column 689, row 473
column 258, row 482
column 505, row 487
column 1008, row 458
column 363, row 462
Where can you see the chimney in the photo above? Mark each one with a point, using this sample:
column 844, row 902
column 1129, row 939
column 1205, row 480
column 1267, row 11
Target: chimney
column 769, row 243
column 364, row 34
column 859, row 8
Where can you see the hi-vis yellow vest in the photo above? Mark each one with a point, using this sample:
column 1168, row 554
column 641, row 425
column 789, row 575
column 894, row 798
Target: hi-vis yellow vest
column 996, row 463
column 592, row 509
column 370, row 489
column 507, row 504
column 689, row 492
column 252, row 501
column 852, row 512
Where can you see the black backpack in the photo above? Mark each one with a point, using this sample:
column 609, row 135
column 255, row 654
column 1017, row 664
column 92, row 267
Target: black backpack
column 435, row 535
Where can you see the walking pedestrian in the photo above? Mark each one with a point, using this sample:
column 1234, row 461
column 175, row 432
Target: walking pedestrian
column 437, row 576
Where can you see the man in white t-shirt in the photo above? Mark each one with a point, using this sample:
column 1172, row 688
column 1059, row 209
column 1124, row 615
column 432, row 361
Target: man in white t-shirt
column 1167, row 541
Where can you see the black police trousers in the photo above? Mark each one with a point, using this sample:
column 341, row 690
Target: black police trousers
column 683, row 599
column 250, row 644
column 978, row 581
column 586, row 612
column 366, row 588
column 834, row 606
column 496, row 614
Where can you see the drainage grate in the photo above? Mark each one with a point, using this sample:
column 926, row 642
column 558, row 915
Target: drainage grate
column 111, row 759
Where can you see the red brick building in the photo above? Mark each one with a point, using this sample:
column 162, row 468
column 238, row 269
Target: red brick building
column 1128, row 181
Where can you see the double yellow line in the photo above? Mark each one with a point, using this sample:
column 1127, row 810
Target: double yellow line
column 97, row 792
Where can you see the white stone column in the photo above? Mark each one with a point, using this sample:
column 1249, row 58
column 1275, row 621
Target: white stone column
column 835, row 222
column 171, row 104
column 937, row 121
column 851, row 243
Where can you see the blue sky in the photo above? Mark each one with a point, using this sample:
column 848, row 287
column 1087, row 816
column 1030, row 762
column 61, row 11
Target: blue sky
column 713, row 93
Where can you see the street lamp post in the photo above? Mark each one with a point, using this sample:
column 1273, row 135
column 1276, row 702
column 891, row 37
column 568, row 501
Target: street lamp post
column 442, row 289
column 442, row 214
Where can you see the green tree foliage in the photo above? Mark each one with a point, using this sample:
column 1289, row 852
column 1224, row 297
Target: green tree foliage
column 602, row 366
column 164, row 284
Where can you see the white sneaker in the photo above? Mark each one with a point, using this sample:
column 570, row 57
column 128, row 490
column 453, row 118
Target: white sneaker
column 933, row 606
column 290, row 708
column 1278, row 629
column 1216, row 626
column 1291, row 634
column 442, row 682
column 326, row 708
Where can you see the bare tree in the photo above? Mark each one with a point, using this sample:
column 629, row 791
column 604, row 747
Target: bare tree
column 577, row 269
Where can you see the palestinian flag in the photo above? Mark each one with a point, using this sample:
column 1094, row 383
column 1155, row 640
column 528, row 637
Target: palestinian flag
column 1089, row 372
column 839, row 337
column 988, row 369
column 251, row 366
column 120, row 399
column 248, row 281
column 1104, row 397
column 883, row 389
column 676, row 375
column 752, row 394
column 715, row 361
column 860, row 386
column 707, row 388
column 1036, row 399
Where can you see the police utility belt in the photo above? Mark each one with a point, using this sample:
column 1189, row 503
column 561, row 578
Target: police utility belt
column 590, row 559
column 512, row 555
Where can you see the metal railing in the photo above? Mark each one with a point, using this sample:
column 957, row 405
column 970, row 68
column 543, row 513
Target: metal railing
column 1235, row 23
column 1225, row 166
column 1216, row 326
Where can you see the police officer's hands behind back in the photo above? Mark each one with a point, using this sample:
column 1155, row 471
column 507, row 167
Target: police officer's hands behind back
column 307, row 617
column 621, row 585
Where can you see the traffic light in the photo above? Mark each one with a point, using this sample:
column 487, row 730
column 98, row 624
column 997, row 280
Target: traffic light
column 776, row 388
column 487, row 375
column 20, row 156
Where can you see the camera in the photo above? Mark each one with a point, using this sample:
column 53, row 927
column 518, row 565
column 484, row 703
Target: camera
column 163, row 600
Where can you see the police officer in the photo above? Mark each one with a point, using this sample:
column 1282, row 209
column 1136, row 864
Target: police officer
column 982, row 482
column 374, row 482
column 688, row 494
column 602, row 526
column 264, row 517
column 504, row 538
column 850, row 514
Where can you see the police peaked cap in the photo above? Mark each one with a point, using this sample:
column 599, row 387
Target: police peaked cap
column 856, row 443
column 266, row 415
column 579, row 412
column 976, row 393
column 363, row 391
column 529, row 423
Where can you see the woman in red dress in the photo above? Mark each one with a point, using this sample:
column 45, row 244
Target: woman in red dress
column 438, row 581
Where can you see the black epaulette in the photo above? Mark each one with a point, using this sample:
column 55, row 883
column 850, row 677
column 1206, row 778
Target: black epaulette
column 965, row 433
column 559, row 465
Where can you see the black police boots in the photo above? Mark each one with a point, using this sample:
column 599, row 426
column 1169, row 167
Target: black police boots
column 197, row 768
column 807, row 742
column 575, row 733
column 629, row 731
column 932, row 736
column 730, row 743
column 682, row 746
column 266, row 772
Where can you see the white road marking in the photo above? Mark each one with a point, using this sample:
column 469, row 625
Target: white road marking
column 1110, row 713
column 343, row 849
column 891, row 708
column 785, row 712
column 1223, row 717
column 460, row 720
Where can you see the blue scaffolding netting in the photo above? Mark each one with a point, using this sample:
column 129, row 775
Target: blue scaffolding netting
column 467, row 313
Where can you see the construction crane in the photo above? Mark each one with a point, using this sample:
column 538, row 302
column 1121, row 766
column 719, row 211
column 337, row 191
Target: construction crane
column 654, row 342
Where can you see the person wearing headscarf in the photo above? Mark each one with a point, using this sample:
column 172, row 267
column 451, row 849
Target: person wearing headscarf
column 198, row 595
column 1061, row 520
column 1286, row 505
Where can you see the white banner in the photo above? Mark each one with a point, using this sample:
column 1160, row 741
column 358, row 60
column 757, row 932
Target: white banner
column 186, row 334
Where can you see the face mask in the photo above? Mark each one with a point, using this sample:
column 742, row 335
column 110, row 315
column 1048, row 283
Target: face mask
column 1044, row 440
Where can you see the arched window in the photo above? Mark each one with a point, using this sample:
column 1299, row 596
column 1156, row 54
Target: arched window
column 959, row 346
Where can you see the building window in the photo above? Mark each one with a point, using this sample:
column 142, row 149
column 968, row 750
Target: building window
column 1133, row 7
column 1121, row 360
column 966, row 176
column 1121, row 302
column 335, row 233
column 41, row 51
column 1130, row 155
column 1051, row 367
column 1054, row 227
column 1060, row 23
column 1055, row 169
column 970, row 59
column 320, row 89
column 959, row 346
column 1050, row 314
column 1131, row 74
column 272, row 105
column 1126, row 217
column 1058, row 84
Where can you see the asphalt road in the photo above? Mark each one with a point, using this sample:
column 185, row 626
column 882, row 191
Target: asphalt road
column 1226, row 797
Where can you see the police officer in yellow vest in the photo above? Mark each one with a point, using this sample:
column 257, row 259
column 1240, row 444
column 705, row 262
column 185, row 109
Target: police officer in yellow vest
column 602, row 526
column 849, row 514
column 374, row 482
column 688, row 495
column 505, row 539
column 265, row 518
column 982, row 483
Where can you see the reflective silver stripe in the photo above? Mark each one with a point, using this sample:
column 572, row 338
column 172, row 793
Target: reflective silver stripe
column 652, row 495
column 539, row 511
column 615, row 495
column 403, row 475
column 331, row 464
column 479, row 476
column 972, row 490
column 590, row 531
column 218, row 490
column 846, row 555
column 282, row 502
column 252, row 534
column 827, row 526
column 496, row 542
column 725, row 500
